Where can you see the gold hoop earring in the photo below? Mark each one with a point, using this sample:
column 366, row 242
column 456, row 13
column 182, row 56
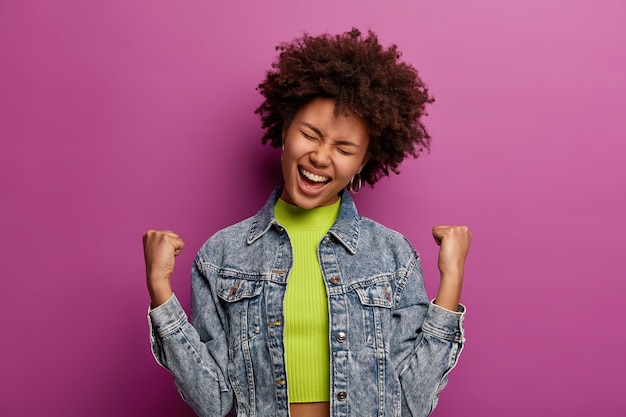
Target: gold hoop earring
column 355, row 187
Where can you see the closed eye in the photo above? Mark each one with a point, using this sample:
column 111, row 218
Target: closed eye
column 306, row 135
column 344, row 152
column 311, row 128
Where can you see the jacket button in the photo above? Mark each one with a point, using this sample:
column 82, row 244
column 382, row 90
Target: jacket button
column 341, row 395
column 335, row 280
column 341, row 337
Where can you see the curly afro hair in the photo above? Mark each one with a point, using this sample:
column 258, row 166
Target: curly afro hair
column 362, row 77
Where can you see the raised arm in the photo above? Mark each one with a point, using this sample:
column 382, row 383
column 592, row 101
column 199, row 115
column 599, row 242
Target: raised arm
column 198, row 364
column 429, row 337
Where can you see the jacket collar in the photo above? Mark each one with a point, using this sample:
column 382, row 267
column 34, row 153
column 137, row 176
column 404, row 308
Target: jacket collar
column 345, row 229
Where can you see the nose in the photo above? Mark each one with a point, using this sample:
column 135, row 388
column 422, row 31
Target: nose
column 320, row 156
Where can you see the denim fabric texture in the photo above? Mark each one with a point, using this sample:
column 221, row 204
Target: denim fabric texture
column 391, row 348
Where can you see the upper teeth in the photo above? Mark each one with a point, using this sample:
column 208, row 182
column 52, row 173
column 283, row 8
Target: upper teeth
column 313, row 177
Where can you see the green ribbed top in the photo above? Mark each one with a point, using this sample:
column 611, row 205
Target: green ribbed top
column 307, row 353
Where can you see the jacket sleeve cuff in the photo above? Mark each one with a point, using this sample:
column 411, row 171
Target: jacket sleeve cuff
column 166, row 318
column 445, row 324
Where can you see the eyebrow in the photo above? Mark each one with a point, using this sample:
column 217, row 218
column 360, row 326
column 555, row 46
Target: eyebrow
column 339, row 142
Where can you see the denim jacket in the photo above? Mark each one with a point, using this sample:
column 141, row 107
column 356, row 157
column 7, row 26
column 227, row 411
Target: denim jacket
column 391, row 349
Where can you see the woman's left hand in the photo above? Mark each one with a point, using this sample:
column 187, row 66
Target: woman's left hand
column 454, row 242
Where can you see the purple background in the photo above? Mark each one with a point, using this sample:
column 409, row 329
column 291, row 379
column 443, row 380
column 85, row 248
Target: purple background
column 120, row 116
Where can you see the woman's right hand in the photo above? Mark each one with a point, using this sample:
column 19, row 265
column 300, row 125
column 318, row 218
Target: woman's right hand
column 159, row 250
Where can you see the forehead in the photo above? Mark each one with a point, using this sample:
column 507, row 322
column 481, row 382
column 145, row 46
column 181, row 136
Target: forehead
column 321, row 113
column 324, row 106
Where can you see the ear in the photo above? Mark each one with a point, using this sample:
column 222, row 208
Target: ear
column 366, row 159
column 283, row 135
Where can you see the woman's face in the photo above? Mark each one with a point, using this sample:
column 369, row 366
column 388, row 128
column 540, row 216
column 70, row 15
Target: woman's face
column 321, row 153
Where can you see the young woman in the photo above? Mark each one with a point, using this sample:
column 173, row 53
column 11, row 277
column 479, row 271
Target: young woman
column 308, row 308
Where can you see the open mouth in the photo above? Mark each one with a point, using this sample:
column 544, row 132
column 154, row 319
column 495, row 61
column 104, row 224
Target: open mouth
column 312, row 180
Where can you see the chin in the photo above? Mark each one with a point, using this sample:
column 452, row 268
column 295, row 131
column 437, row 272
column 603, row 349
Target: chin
column 307, row 203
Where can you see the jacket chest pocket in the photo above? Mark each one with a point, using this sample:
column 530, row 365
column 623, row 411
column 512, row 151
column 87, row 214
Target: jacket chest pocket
column 377, row 302
column 242, row 299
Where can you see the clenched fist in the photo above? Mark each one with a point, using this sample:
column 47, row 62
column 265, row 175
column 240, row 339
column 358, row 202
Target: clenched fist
column 159, row 250
column 454, row 242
